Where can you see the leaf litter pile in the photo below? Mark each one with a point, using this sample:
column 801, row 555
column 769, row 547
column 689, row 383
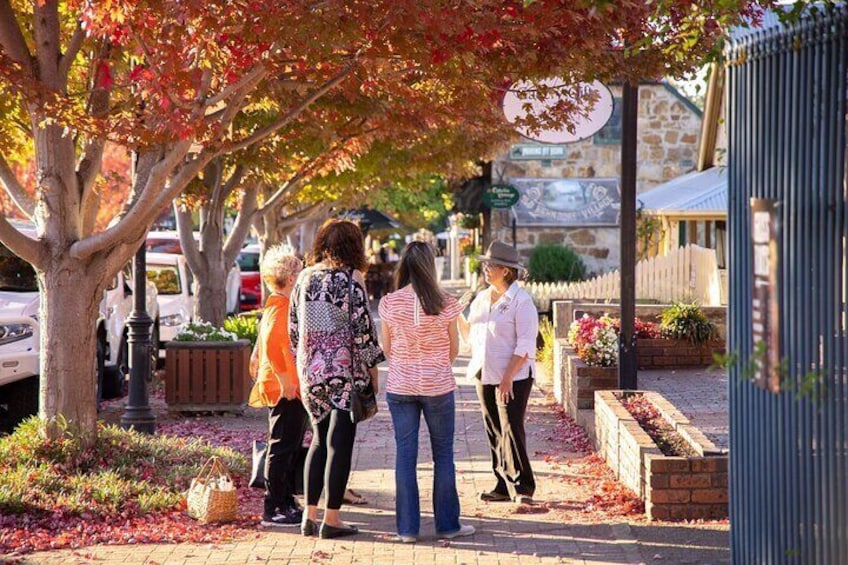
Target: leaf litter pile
column 126, row 488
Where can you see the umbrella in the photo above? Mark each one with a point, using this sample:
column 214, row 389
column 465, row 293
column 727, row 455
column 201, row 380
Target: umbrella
column 370, row 219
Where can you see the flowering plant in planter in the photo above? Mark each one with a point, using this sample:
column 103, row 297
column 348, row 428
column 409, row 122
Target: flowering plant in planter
column 204, row 331
column 596, row 339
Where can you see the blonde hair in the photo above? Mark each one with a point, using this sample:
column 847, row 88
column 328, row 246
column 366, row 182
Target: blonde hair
column 279, row 266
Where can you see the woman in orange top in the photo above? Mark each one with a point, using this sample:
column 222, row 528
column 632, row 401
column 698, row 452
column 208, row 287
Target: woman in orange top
column 278, row 388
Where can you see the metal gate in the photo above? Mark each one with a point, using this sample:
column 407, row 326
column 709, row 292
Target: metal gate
column 787, row 149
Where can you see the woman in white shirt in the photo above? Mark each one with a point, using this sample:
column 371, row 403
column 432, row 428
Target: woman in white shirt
column 501, row 329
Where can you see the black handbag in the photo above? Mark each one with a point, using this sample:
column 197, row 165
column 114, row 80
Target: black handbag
column 257, row 471
column 363, row 404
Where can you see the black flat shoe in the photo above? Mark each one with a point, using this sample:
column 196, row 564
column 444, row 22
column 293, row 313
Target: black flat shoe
column 308, row 527
column 328, row 532
column 495, row 496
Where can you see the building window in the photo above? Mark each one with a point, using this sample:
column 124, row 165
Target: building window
column 610, row 134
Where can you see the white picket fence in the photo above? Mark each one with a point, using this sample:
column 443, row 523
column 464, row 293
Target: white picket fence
column 688, row 274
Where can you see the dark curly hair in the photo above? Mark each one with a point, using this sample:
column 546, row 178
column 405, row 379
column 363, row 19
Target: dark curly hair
column 339, row 244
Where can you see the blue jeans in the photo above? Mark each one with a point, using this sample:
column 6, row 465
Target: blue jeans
column 439, row 415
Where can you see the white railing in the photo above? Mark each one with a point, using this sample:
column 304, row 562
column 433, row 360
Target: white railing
column 688, row 274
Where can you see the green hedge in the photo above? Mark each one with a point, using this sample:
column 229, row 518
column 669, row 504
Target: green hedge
column 555, row 263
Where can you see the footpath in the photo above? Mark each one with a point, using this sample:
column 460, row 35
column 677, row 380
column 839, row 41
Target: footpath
column 581, row 516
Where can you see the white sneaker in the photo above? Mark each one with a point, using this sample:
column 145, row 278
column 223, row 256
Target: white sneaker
column 464, row 530
column 405, row 538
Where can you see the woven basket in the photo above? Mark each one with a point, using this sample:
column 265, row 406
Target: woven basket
column 212, row 496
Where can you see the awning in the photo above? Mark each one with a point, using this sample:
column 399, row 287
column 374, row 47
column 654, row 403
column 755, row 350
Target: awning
column 698, row 193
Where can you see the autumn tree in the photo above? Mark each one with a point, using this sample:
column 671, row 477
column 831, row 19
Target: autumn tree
column 167, row 79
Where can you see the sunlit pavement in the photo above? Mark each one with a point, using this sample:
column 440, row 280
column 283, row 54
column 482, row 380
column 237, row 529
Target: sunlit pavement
column 561, row 527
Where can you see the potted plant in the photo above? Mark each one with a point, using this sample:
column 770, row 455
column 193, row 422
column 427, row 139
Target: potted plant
column 206, row 369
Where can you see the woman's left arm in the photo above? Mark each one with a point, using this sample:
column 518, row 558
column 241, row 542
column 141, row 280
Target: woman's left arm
column 526, row 329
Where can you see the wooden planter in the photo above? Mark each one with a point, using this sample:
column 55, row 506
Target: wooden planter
column 673, row 488
column 207, row 376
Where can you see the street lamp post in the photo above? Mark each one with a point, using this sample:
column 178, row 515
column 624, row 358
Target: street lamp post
column 137, row 413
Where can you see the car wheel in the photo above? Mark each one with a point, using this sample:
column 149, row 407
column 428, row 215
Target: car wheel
column 20, row 401
column 113, row 377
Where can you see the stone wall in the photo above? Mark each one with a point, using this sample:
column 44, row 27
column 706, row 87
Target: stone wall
column 669, row 130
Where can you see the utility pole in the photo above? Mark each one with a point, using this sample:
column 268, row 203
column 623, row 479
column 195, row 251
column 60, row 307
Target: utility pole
column 627, row 337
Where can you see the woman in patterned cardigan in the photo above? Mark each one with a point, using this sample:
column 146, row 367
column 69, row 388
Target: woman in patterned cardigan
column 328, row 320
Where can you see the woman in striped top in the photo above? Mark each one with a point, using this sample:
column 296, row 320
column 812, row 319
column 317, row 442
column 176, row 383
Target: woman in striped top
column 421, row 340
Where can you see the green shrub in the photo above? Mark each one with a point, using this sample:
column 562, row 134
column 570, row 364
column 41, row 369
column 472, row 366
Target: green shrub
column 122, row 472
column 245, row 327
column 687, row 321
column 554, row 263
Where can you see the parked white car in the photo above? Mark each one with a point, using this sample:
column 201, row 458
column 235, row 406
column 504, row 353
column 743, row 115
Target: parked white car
column 20, row 332
column 112, row 330
column 169, row 242
column 175, row 294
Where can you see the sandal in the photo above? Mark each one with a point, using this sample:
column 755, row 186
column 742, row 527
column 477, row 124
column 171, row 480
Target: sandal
column 354, row 498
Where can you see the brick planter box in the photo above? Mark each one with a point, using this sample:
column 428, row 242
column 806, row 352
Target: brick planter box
column 674, row 353
column 673, row 488
column 207, row 376
column 575, row 382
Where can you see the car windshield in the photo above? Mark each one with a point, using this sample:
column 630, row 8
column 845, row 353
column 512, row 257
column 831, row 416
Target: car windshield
column 166, row 278
column 248, row 261
column 16, row 274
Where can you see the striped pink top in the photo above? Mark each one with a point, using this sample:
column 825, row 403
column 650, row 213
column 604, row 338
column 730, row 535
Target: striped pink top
column 419, row 360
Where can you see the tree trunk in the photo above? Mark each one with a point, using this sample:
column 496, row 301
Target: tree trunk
column 211, row 305
column 69, row 304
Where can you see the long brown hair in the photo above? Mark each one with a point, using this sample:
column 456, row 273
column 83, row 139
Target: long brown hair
column 417, row 266
column 339, row 243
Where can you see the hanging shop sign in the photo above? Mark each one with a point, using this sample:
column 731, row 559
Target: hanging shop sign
column 501, row 196
column 528, row 99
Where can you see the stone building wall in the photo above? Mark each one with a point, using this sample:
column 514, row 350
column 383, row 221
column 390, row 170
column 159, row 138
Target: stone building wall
column 669, row 128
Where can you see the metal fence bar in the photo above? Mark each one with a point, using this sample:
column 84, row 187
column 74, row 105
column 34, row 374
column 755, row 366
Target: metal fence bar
column 787, row 142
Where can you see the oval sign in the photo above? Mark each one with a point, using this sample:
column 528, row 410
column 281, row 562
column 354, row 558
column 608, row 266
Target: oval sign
column 500, row 196
column 521, row 94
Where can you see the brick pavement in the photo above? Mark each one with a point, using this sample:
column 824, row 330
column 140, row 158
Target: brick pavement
column 700, row 394
column 557, row 530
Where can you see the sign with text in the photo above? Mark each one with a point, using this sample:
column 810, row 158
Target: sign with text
column 525, row 101
column 764, row 307
column 567, row 202
column 500, row 196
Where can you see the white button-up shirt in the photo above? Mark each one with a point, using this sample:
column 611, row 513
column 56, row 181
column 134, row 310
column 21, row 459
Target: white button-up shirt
column 500, row 330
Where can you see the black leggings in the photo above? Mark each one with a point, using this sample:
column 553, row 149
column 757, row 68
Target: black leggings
column 329, row 458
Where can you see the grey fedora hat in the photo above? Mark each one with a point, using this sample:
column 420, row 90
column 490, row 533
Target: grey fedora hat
column 500, row 253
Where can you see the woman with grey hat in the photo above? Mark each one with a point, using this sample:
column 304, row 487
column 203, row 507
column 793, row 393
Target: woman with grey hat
column 501, row 329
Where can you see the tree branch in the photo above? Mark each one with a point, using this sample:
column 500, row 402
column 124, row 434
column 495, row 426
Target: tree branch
column 16, row 191
column 255, row 74
column 152, row 199
column 304, row 214
column 28, row 249
column 241, row 227
column 73, row 48
column 266, row 131
column 187, row 242
column 11, row 39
